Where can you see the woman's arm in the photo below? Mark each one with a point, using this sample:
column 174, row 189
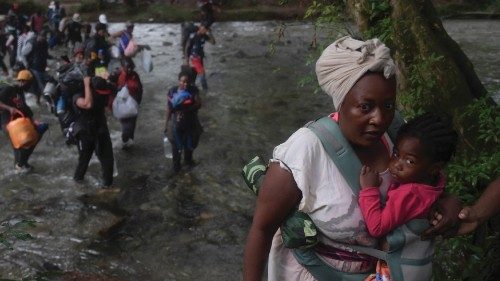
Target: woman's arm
column 278, row 196
column 86, row 102
column 486, row 206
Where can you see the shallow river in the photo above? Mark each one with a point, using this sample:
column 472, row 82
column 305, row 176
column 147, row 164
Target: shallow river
column 191, row 226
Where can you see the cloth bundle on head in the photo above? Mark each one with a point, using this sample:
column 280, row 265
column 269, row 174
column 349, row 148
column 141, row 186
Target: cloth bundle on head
column 346, row 60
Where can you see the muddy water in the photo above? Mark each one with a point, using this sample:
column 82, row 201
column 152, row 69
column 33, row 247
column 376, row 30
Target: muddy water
column 191, row 226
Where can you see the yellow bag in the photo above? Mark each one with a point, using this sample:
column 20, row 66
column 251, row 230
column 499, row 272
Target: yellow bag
column 22, row 132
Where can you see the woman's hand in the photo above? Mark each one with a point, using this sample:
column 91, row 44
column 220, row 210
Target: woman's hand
column 443, row 217
column 368, row 177
column 15, row 111
column 485, row 207
column 470, row 220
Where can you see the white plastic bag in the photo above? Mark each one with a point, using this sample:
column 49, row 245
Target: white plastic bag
column 124, row 105
column 115, row 52
column 147, row 63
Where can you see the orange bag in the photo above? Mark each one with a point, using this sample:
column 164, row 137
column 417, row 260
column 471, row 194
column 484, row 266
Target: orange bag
column 22, row 132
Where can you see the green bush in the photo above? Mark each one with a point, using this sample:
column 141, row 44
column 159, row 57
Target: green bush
column 89, row 6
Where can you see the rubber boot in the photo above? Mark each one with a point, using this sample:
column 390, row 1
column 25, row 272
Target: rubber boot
column 176, row 160
column 188, row 157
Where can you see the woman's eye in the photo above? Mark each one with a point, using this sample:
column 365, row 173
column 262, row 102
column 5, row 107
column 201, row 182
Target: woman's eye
column 365, row 107
column 410, row 162
column 389, row 105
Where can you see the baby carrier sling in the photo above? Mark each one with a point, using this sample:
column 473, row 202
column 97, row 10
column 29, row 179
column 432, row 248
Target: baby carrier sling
column 409, row 258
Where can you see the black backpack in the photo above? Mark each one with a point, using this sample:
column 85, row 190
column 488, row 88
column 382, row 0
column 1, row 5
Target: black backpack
column 71, row 78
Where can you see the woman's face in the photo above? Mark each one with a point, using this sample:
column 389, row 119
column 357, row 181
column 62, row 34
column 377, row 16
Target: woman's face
column 368, row 109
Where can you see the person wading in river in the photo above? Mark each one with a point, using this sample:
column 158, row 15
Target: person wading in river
column 195, row 54
column 182, row 126
column 13, row 103
column 91, row 128
column 130, row 79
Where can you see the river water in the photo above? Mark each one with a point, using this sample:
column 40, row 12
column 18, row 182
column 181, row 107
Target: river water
column 191, row 226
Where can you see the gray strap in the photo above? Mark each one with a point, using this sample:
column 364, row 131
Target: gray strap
column 339, row 150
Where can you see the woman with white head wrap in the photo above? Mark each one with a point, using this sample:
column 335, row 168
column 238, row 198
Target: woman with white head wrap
column 345, row 61
column 359, row 76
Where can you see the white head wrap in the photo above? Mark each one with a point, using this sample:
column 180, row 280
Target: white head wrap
column 346, row 60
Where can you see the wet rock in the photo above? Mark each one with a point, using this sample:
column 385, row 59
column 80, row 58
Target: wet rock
column 279, row 43
column 234, row 35
column 240, row 54
column 79, row 276
column 172, row 33
column 50, row 266
column 263, row 43
column 222, row 60
column 105, row 199
column 279, row 104
column 113, row 230
column 289, row 42
column 206, row 216
column 167, row 44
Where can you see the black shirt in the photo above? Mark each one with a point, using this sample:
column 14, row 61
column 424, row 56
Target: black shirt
column 13, row 96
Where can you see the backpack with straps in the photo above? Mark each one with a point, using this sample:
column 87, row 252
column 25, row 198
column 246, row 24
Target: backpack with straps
column 409, row 258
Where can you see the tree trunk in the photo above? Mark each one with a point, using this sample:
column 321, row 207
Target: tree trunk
column 422, row 48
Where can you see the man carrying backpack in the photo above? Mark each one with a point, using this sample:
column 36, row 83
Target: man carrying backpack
column 91, row 129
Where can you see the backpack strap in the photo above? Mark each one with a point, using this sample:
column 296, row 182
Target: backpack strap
column 339, row 150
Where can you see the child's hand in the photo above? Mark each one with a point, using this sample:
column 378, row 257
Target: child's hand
column 368, row 177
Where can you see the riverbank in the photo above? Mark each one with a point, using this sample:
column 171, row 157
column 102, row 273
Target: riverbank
column 161, row 11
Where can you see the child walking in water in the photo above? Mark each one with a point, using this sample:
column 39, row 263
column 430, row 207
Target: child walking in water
column 423, row 146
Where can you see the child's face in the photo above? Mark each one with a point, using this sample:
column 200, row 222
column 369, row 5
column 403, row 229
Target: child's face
column 410, row 163
column 183, row 82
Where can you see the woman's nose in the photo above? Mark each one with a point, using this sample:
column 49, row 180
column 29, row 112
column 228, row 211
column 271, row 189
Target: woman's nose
column 376, row 117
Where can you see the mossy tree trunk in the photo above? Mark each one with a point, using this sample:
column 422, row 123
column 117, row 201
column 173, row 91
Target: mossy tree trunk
column 433, row 72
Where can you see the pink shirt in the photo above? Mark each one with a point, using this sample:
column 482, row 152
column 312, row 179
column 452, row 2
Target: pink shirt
column 404, row 203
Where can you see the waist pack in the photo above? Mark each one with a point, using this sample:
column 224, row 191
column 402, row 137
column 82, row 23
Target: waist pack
column 409, row 258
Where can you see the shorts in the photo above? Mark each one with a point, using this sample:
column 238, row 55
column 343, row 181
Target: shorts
column 197, row 63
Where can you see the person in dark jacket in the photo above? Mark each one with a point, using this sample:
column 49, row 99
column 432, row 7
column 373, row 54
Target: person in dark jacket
column 74, row 29
column 91, row 128
column 96, row 43
column 13, row 103
column 38, row 63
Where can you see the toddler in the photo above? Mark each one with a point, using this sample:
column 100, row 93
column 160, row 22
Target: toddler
column 423, row 146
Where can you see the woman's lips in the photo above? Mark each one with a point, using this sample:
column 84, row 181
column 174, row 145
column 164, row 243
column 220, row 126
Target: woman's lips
column 373, row 134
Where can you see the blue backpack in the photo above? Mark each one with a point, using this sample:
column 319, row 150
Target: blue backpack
column 409, row 258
